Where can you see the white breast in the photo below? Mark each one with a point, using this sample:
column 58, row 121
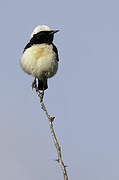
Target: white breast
column 39, row 61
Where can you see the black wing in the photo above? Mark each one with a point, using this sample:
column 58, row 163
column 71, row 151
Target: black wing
column 27, row 46
column 56, row 51
column 32, row 41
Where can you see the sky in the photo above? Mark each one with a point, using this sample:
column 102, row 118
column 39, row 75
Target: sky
column 83, row 96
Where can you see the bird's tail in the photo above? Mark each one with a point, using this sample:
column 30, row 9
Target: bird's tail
column 42, row 84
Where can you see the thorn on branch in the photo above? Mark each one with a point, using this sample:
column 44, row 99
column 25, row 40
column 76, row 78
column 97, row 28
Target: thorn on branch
column 52, row 119
column 66, row 166
column 57, row 160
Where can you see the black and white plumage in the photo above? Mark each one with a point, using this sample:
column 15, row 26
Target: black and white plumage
column 40, row 56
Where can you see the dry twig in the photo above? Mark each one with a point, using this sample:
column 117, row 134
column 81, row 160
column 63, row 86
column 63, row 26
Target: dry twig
column 56, row 143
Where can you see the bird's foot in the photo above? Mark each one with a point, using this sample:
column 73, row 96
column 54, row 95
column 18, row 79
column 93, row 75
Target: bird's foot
column 34, row 85
column 41, row 95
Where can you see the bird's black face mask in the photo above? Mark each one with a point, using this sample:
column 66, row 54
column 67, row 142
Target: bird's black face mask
column 43, row 37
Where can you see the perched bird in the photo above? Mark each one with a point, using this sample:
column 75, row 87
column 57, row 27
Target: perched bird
column 40, row 56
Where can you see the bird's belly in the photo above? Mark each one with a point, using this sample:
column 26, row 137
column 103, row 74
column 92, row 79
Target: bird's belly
column 39, row 62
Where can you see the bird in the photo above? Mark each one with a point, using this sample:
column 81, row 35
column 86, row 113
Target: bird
column 40, row 56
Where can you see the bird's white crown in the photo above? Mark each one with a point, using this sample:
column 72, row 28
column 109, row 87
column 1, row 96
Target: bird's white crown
column 40, row 28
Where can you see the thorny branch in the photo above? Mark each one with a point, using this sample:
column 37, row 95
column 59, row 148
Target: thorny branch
column 51, row 119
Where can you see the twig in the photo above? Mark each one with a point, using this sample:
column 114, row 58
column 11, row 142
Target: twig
column 56, row 143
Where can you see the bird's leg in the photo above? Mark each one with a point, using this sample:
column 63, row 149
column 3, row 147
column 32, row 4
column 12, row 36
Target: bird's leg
column 42, row 95
column 34, row 85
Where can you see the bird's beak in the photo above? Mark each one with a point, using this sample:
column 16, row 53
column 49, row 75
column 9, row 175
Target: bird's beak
column 54, row 31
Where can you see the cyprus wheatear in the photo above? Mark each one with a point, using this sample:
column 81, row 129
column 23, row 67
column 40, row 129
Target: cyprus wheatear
column 40, row 56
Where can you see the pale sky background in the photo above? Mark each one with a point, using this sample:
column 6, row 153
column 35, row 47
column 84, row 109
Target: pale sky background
column 84, row 95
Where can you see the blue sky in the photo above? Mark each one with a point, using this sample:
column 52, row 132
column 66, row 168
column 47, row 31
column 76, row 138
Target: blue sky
column 84, row 95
